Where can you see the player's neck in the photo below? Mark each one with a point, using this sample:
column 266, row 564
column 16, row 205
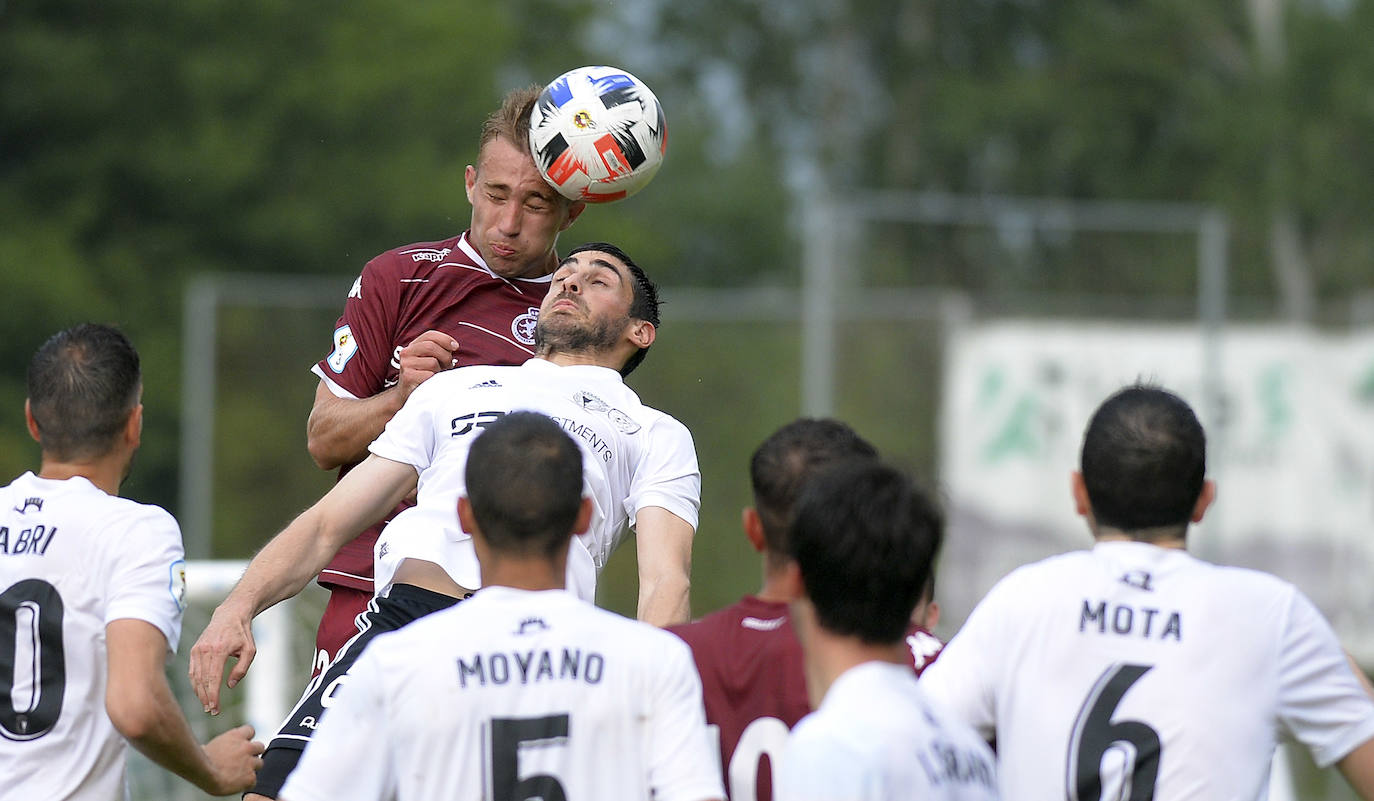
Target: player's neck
column 605, row 359
column 830, row 655
column 534, row 573
column 1177, row 542
column 107, row 472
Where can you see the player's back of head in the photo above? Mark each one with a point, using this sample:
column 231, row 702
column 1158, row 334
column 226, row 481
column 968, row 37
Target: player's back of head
column 82, row 384
column 524, row 482
column 864, row 537
column 783, row 463
column 1144, row 460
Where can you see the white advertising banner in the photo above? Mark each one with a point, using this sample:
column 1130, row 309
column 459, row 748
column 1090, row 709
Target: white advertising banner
column 1290, row 424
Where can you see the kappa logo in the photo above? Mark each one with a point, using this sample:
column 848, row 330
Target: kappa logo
column 426, row 254
column 357, row 290
column 36, row 503
column 522, row 327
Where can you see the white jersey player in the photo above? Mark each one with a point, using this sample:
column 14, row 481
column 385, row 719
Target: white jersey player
column 635, row 457
column 594, row 326
column 524, row 690
column 863, row 539
column 1137, row 671
column 92, row 588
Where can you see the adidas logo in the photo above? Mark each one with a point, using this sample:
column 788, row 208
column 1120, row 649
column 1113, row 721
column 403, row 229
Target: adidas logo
column 488, row 383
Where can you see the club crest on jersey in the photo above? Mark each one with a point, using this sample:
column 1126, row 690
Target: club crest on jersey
column 36, row 503
column 589, row 401
column 177, row 586
column 622, row 421
column 345, row 346
column 522, row 327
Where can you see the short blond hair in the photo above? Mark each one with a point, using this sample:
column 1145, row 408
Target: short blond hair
column 512, row 120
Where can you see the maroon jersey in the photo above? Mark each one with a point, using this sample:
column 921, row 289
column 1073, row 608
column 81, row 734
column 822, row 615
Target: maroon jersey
column 444, row 286
column 753, row 686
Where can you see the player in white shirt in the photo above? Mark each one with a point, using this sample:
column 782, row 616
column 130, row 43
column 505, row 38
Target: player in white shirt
column 863, row 540
column 92, row 589
column 524, row 690
column 1137, row 671
column 641, row 470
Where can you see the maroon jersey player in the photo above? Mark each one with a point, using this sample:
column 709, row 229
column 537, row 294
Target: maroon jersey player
column 419, row 309
column 747, row 654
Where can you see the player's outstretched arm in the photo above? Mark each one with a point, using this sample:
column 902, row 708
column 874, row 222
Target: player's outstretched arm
column 287, row 563
column 142, row 708
column 340, row 429
column 664, row 542
column 1358, row 769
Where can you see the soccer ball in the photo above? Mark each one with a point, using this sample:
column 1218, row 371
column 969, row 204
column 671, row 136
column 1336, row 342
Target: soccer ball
column 598, row 134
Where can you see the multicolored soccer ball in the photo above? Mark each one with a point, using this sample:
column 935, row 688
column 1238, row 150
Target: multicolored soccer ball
column 598, row 134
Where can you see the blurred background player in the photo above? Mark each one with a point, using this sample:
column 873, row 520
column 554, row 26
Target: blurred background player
column 92, row 588
column 1136, row 670
column 429, row 306
column 863, row 540
column 596, row 324
column 748, row 656
column 524, row 690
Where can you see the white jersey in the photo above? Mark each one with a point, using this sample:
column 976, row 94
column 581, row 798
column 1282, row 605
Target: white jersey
column 876, row 737
column 72, row 559
column 516, row 694
column 1141, row 664
column 633, row 457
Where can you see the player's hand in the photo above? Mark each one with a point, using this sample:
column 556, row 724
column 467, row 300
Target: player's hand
column 427, row 354
column 228, row 635
column 234, row 761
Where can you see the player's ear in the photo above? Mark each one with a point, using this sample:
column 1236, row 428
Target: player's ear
column 32, row 423
column 465, row 516
column 1081, row 505
column 753, row 528
column 642, row 333
column 574, row 211
column 469, row 181
column 1204, row 500
column 584, row 517
column 133, row 427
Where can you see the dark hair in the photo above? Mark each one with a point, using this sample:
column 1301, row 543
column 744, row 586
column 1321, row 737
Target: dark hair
column 1143, row 461
column 790, row 456
column 83, row 383
column 524, row 481
column 865, row 537
column 643, row 306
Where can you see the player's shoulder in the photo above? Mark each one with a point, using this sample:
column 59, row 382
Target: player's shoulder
column 417, row 258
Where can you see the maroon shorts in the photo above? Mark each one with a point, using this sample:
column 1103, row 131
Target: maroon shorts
column 338, row 624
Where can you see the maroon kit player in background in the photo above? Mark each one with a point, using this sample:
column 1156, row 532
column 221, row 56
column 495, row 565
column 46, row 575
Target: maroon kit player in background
column 418, row 309
column 748, row 654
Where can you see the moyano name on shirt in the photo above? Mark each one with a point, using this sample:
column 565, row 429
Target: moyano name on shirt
column 1130, row 621
column 528, row 667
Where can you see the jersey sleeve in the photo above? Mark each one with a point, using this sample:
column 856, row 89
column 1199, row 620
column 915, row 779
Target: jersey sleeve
column 364, row 335
column 683, row 760
column 148, row 575
column 668, row 475
column 409, row 434
column 349, row 757
column 1320, row 700
column 964, row 678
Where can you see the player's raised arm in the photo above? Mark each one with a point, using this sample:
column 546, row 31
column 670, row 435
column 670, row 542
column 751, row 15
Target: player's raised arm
column 142, row 708
column 286, row 564
column 340, row 429
column 664, row 543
